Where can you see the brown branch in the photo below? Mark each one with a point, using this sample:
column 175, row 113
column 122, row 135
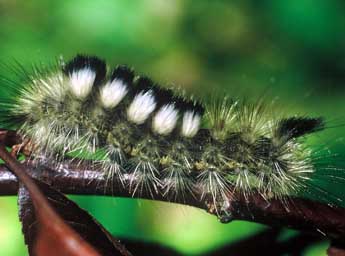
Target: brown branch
column 301, row 214
column 8, row 182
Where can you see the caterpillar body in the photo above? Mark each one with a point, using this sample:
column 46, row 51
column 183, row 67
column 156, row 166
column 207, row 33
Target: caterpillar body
column 160, row 138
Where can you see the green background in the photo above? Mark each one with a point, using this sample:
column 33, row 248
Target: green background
column 293, row 50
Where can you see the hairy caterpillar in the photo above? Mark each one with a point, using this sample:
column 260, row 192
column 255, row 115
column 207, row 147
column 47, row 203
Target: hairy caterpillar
column 157, row 137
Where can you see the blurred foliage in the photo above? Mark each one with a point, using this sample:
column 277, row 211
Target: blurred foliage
column 294, row 50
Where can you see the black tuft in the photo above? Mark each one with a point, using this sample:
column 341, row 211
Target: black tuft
column 123, row 73
column 83, row 61
column 295, row 127
column 143, row 83
column 191, row 105
column 164, row 95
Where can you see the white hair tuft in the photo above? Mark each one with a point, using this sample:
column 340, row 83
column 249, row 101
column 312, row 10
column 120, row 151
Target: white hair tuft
column 81, row 82
column 190, row 124
column 141, row 107
column 112, row 93
column 165, row 119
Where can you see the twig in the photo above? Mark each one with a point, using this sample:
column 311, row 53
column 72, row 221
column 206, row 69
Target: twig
column 301, row 214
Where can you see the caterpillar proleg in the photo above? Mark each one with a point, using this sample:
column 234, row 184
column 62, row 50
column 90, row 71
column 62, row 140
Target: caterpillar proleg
column 160, row 138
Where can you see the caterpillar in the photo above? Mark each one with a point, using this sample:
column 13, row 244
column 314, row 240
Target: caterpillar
column 161, row 138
